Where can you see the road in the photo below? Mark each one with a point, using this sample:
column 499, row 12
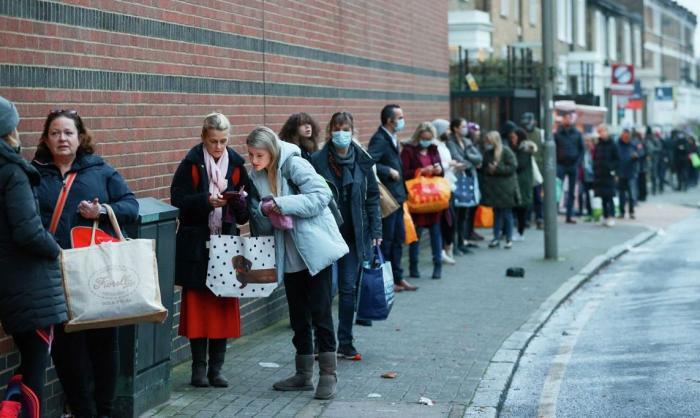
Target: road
column 626, row 344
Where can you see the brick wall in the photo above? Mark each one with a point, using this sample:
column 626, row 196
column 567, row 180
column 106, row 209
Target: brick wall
column 142, row 73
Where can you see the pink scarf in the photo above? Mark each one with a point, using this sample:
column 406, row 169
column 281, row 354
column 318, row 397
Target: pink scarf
column 216, row 171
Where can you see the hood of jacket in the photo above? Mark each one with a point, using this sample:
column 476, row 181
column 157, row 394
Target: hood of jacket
column 9, row 155
column 287, row 151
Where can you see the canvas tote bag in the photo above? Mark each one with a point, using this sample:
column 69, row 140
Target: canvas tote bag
column 113, row 283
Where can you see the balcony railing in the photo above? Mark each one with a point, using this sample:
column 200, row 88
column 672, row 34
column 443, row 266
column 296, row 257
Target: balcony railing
column 517, row 71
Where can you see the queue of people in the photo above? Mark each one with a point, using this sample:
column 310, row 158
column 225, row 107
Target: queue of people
column 326, row 183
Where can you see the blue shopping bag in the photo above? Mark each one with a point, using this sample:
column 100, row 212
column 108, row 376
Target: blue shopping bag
column 376, row 296
column 466, row 194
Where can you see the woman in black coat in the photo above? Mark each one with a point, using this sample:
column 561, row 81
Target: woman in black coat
column 348, row 169
column 31, row 293
column 209, row 170
column 87, row 362
column 606, row 160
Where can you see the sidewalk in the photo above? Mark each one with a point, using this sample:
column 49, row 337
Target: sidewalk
column 439, row 339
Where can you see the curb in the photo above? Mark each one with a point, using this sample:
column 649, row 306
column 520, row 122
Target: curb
column 491, row 393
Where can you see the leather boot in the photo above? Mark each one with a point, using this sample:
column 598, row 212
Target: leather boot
column 328, row 379
column 302, row 379
column 437, row 270
column 199, row 362
column 217, row 355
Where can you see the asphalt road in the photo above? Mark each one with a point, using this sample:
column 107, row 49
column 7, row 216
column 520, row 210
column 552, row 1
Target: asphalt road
column 626, row 344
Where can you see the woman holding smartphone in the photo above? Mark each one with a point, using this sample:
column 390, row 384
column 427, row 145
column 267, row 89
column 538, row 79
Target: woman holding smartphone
column 209, row 189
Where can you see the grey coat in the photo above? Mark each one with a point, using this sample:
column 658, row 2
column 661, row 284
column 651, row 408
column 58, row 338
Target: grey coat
column 468, row 154
column 315, row 231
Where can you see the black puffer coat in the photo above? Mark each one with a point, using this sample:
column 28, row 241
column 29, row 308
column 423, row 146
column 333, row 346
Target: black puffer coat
column 31, row 294
column 189, row 192
column 606, row 160
column 95, row 179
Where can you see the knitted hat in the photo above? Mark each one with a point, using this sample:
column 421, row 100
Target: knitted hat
column 9, row 118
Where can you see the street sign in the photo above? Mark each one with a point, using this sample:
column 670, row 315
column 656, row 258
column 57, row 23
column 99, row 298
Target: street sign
column 471, row 81
column 622, row 80
column 663, row 94
column 636, row 100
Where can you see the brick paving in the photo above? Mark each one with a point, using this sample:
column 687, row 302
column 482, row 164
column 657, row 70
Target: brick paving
column 439, row 339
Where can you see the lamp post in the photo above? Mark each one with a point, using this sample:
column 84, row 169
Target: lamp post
column 550, row 164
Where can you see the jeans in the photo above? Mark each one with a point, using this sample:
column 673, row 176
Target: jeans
column 537, row 203
column 309, row 302
column 584, row 198
column 503, row 221
column 435, row 245
column 627, row 189
column 87, row 364
column 661, row 174
column 642, row 186
column 570, row 172
column 608, row 207
column 348, row 275
column 34, row 357
column 393, row 237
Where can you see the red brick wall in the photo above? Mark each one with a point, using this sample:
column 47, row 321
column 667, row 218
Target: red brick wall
column 143, row 73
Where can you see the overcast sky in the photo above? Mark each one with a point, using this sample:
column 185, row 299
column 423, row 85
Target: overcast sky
column 693, row 6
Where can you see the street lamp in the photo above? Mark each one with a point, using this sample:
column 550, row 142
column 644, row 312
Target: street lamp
column 550, row 163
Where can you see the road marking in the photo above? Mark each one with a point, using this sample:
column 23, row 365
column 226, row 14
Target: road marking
column 555, row 376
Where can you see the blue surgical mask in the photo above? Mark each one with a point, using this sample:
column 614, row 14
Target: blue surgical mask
column 341, row 139
column 425, row 143
column 463, row 131
column 400, row 124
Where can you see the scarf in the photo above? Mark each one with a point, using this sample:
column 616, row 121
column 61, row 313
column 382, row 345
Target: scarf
column 216, row 172
column 342, row 167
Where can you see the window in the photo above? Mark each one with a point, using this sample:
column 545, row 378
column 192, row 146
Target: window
column 561, row 20
column 627, row 43
column 581, row 22
column 612, row 38
column 504, row 8
column 600, row 31
column 637, row 46
column 569, row 21
column 656, row 21
column 534, row 12
column 516, row 10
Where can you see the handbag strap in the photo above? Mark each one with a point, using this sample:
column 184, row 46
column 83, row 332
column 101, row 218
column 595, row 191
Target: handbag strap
column 61, row 202
column 378, row 257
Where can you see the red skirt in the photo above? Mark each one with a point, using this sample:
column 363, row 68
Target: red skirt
column 204, row 315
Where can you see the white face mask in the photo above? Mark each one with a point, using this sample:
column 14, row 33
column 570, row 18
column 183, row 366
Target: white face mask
column 464, row 131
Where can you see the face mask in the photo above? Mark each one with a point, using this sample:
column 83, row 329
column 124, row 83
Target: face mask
column 400, row 124
column 488, row 147
column 425, row 143
column 341, row 139
column 464, row 131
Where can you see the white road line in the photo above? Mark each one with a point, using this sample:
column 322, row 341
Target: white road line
column 552, row 385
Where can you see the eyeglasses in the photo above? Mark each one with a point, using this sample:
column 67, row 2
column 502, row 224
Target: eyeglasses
column 70, row 112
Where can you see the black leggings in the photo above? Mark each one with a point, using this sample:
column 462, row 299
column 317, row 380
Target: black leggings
column 87, row 364
column 33, row 348
column 461, row 225
column 521, row 216
column 447, row 230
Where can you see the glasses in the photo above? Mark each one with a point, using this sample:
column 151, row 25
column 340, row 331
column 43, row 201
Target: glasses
column 70, row 112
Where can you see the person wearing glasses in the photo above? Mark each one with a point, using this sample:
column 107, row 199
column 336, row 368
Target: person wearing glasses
column 209, row 189
column 31, row 292
column 87, row 362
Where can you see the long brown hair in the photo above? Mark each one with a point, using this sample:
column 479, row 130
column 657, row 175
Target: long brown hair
column 290, row 132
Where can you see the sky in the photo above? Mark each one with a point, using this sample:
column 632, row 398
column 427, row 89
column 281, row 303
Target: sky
column 693, row 6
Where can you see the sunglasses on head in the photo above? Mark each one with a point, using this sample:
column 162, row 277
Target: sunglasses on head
column 70, row 112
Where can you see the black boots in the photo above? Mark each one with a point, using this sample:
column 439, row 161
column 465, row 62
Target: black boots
column 202, row 378
column 199, row 362
column 217, row 355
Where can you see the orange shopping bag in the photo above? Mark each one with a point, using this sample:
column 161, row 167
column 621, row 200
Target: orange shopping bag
column 483, row 217
column 409, row 227
column 428, row 194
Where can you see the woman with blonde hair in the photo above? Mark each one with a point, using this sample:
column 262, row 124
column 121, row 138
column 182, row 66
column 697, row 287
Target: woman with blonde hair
column 420, row 157
column 500, row 189
column 289, row 201
column 210, row 172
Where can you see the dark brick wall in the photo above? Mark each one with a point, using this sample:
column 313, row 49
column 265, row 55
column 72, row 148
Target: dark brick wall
column 143, row 73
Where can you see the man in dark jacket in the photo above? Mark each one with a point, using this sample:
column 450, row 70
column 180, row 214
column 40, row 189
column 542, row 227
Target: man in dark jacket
column 384, row 149
column 570, row 151
column 630, row 151
column 680, row 159
column 534, row 134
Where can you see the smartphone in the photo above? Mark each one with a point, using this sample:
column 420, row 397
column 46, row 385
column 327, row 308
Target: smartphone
column 231, row 195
